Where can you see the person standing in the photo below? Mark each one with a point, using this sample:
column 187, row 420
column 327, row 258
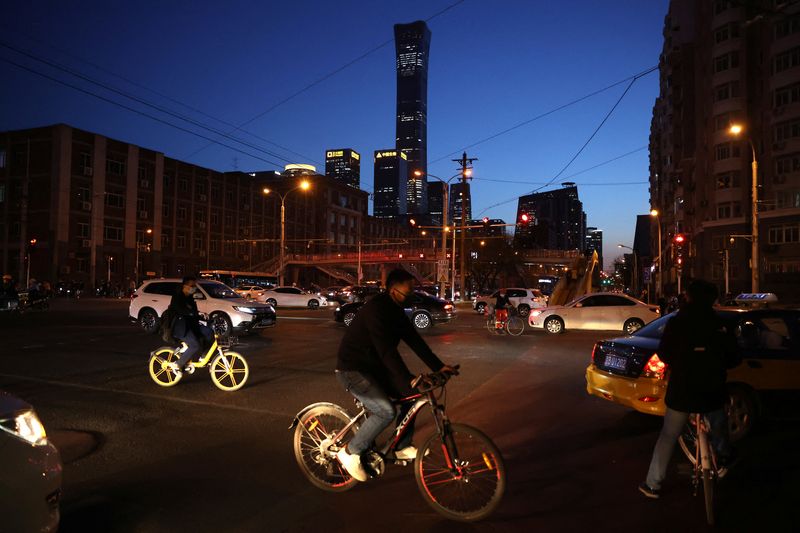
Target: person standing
column 370, row 368
column 697, row 351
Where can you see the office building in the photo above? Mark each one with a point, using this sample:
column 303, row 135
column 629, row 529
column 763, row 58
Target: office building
column 344, row 164
column 558, row 221
column 412, row 45
column 594, row 243
column 436, row 194
column 722, row 63
column 391, row 179
column 460, row 202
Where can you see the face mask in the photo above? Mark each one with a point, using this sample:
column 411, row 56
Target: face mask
column 405, row 296
column 192, row 290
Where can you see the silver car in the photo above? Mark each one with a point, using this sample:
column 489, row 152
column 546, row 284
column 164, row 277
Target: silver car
column 599, row 310
column 30, row 470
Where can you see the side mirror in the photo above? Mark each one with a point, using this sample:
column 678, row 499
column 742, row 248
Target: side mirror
column 198, row 296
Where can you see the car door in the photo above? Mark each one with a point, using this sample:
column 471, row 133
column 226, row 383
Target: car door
column 516, row 296
column 770, row 348
column 616, row 310
column 584, row 314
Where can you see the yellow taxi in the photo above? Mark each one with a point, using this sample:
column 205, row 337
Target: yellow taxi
column 628, row 371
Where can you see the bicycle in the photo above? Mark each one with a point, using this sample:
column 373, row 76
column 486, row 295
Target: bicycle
column 695, row 443
column 228, row 370
column 459, row 470
column 512, row 323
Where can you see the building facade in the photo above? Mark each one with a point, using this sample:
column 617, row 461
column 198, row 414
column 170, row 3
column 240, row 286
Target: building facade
column 594, row 243
column 460, row 202
column 391, row 179
column 412, row 46
column 344, row 164
column 727, row 63
column 559, row 222
column 436, row 193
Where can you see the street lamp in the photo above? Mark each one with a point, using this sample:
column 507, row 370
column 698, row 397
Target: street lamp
column 654, row 214
column 634, row 277
column 304, row 185
column 148, row 231
column 109, row 259
column 736, row 130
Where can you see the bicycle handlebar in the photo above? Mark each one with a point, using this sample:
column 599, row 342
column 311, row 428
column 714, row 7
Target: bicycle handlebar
column 434, row 379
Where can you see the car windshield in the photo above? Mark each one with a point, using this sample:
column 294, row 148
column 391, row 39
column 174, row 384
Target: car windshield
column 218, row 290
column 654, row 329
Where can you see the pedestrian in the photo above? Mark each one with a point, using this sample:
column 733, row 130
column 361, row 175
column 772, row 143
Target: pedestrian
column 370, row 368
column 697, row 350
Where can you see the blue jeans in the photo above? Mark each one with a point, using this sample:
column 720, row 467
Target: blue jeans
column 674, row 423
column 381, row 411
column 195, row 343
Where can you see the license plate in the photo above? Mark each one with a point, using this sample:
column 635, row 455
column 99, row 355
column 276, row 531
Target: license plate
column 618, row 363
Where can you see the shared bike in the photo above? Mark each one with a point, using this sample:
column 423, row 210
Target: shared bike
column 695, row 442
column 459, row 470
column 228, row 369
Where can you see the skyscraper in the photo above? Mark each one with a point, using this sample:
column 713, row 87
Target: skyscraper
column 594, row 243
column 460, row 200
column 344, row 165
column 412, row 43
column 436, row 194
column 391, row 179
column 560, row 211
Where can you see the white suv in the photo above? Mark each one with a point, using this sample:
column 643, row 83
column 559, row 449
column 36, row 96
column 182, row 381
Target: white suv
column 227, row 311
column 523, row 299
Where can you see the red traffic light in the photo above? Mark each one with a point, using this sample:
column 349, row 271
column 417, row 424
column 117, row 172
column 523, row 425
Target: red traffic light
column 485, row 220
column 679, row 238
column 524, row 218
column 412, row 222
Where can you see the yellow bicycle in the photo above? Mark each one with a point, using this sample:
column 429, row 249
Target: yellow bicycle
column 229, row 370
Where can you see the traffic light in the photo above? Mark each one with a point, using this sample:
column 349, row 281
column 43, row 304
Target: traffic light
column 485, row 220
column 524, row 218
column 680, row 240
column 412, row 222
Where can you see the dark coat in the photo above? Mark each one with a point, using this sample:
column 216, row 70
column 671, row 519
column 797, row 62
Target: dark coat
column 698, row 351
column 185, row 316
column 370, row 345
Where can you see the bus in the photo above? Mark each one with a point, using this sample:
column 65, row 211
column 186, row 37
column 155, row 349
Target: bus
column 234, row 278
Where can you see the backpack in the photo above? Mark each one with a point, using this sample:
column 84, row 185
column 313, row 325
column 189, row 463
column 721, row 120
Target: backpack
column 165, row 330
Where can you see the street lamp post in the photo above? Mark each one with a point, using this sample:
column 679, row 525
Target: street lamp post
column 304, row 185
column 654, row 214
column 148, row 231
column 736, row 130
column 109, row 259
column 634, row 276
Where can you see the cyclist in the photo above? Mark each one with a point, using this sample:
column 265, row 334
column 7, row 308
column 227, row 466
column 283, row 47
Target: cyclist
column 698, row 352
column 370, row 368
column 186, row 323
column 501, row 306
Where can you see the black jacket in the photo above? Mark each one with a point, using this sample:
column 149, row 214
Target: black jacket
column 698, row 352
column 370, row 345
column 502, row 301
column 185, row 316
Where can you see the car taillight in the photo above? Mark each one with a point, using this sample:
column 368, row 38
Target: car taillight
column 655, row 367
column 448, row 307
column 594, row 350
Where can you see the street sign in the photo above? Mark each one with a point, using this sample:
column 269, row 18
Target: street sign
column 441, row 270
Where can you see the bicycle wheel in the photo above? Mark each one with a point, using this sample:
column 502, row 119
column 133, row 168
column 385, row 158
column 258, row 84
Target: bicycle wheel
column 708, row 493
column 491, row 325
column 159, row 367
column 229, row 371
column 312, row 442
column 474, row 491
column 688, row 443
column 515, row 326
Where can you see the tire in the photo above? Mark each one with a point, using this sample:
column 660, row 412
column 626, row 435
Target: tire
column 273, row 302
column 688, row 443
column 523, row 309
column 348, row 318
column 314, row 426
column 161, row 374
column 221, row 324
column 313, row 304
column 231, row 376
column 491, row 325
column 632, row 325
column 480, row 308
column 554, row 325
column 708, row 494
column 482, row 479
column 422, row 321
column 515, row 326
column 742, row 412
column 148, row 320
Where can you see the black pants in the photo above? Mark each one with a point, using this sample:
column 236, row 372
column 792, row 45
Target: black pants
column 195, row 343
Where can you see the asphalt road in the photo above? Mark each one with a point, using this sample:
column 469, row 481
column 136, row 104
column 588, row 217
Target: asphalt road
column 140, row 458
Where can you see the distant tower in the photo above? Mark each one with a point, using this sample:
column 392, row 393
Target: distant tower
column 344, row 164
column 391, row 177
column 412, row 43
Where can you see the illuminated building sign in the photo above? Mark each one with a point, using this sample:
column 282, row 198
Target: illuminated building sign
column 334, row 153
column 356, row 156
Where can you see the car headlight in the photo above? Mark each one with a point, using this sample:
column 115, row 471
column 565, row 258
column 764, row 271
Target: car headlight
column 338, row 309
column 25, row 426
column 243, row 309
column 536, row 313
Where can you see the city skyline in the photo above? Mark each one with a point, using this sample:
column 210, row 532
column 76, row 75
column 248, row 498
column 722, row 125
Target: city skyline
column 551, row 69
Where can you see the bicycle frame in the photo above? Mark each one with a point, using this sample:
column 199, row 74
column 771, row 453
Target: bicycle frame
column 215, row 347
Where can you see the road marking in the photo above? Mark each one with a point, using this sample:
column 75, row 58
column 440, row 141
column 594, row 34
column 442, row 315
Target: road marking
column 33, row 346
column 158, row 397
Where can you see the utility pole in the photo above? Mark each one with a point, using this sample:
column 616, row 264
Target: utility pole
column 466, row 174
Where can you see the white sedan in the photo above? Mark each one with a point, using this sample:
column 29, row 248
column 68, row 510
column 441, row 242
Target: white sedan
column 250, row 291
column 599, row 311
column 293, row 297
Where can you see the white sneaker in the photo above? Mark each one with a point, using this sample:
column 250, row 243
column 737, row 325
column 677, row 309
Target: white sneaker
column 352, row 463
column 409, row 453
column 175, row 368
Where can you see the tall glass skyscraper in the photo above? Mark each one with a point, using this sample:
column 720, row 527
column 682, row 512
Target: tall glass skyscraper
column 412, row 43
column 344, row 164
column 391, row 177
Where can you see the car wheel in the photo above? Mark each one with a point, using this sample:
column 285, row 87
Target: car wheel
column 272, row 301
column 523, row 310
column 348, row 318
column 554, row 325
column 313, row 304
column 149, row 321
column 481, row 308
column 632, row 325
column 422, row 321
column 221, row 324
column 742, row 412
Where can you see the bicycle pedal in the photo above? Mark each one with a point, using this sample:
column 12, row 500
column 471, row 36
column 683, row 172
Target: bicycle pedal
column 401, row 462
column 189, row 369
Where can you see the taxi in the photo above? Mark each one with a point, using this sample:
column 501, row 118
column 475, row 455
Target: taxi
column 628, row 371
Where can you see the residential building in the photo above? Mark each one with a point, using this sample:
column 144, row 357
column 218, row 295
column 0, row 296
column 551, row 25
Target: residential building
column 391, row 172
column 344, row 164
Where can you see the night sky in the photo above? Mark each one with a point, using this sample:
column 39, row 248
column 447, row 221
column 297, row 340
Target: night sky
column 492, row 65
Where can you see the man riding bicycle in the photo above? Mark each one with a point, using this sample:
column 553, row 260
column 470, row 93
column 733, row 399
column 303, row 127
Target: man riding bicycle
column 501, row 306
column 371, row 369
column 186, row 325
